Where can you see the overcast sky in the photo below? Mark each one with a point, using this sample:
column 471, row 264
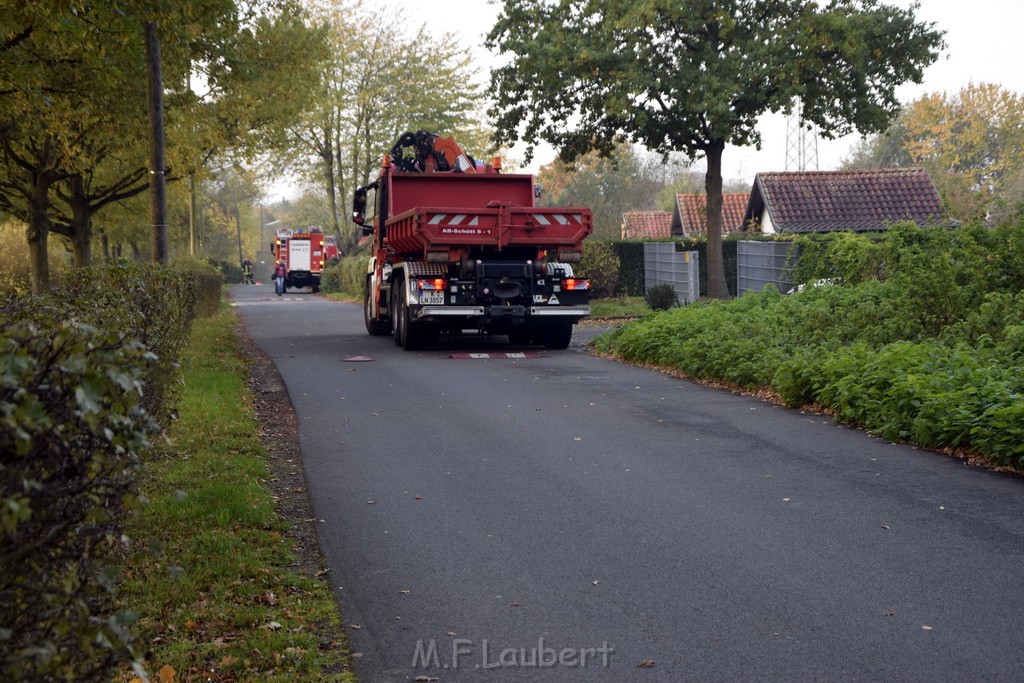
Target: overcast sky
column 983, row 44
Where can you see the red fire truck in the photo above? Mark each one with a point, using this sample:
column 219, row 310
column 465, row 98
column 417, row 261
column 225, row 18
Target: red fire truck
column 460, row 245
column 304, row 252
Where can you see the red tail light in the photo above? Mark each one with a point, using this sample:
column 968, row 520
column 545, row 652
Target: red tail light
column 436, row 283
column 573, row 284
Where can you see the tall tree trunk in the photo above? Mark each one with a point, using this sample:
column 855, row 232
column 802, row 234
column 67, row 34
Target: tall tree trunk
column 38, row 231
column 81, row 223
column 342, row 186
column 332, row 194
column 717, row 287
column 238, row 231
column 157, row 183
column 192, row 213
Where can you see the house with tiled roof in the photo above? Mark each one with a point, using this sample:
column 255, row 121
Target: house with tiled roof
column 689, row 219
column 646, row 225
column 826, row 201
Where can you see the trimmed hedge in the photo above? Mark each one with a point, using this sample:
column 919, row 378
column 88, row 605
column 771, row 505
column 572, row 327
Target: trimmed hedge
column 84, row 371
column 631, row 267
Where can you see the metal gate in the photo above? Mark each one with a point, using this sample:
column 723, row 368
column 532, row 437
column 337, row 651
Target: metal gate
column 664, row 265
column 758, row 263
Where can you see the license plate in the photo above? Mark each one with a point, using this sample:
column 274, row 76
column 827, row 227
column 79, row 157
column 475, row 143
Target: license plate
column 432, row 298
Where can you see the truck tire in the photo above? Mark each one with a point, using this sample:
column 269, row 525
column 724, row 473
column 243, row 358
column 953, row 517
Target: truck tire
column 557, row 336
column 397, row 314
column 409, row 334
column 376, row 328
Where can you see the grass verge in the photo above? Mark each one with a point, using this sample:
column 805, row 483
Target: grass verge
column 619, row 306
column 228, row 598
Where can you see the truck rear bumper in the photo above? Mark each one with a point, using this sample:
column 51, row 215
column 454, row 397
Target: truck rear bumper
column 480, row 311
column 560, row 311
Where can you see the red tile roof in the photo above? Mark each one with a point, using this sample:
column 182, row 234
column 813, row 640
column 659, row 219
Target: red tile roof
column 844, row 200
column 690, row 216
column 646, row 224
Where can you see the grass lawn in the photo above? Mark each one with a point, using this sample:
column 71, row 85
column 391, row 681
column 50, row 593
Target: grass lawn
column 227, row 598
column 618, row 306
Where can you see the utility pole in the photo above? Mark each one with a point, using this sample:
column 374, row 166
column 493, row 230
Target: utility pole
column 157, row 182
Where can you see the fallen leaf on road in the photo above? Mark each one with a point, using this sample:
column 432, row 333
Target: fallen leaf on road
column 885, row 526
column 516, row 604
column 890, row 612
column 355, row 626
column 596, row 583
column 926, row 627
column 371, row 502
column 646, row 664
column 419, row 497
column 404, row 591
column 451, row 634
column 426, row 679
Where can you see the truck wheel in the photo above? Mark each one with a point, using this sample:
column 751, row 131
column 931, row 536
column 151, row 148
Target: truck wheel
column 413, row 336
column 557, row 336
column 376, row 328
column 409, row 334
column 398, row 321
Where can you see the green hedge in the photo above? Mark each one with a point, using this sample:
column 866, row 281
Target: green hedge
column 348, row 276
column 925, row 343
column 149, row 304
column 83, row 372
column 353, row 275
column 631, row 267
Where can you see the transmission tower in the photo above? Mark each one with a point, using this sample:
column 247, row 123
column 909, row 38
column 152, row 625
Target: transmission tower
column 801, row 142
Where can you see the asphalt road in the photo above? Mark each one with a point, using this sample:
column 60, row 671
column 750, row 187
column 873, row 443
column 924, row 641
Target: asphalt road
column 565, row 517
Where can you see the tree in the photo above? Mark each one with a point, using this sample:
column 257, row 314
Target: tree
column 627, row 180
column 382, row 81
column 72, row 84
column 884, row 150
column 971, row 143
column 693, row 77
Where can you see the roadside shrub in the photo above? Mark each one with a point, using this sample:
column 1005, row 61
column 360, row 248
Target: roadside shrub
column 330, row 278
column 927, row 347
column 147, row 303
column 601, row 266
column 631, row 267
column 661, row 297
column 84, row 371
column 353, row 275
column 73, row 432
column 232, row 272
column 207, row 283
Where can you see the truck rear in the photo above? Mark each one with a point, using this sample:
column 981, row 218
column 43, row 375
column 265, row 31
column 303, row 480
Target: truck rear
column 304, row 254
column 460, row 246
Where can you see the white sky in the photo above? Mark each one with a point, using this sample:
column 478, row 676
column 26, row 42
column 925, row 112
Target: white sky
column 982, row 36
